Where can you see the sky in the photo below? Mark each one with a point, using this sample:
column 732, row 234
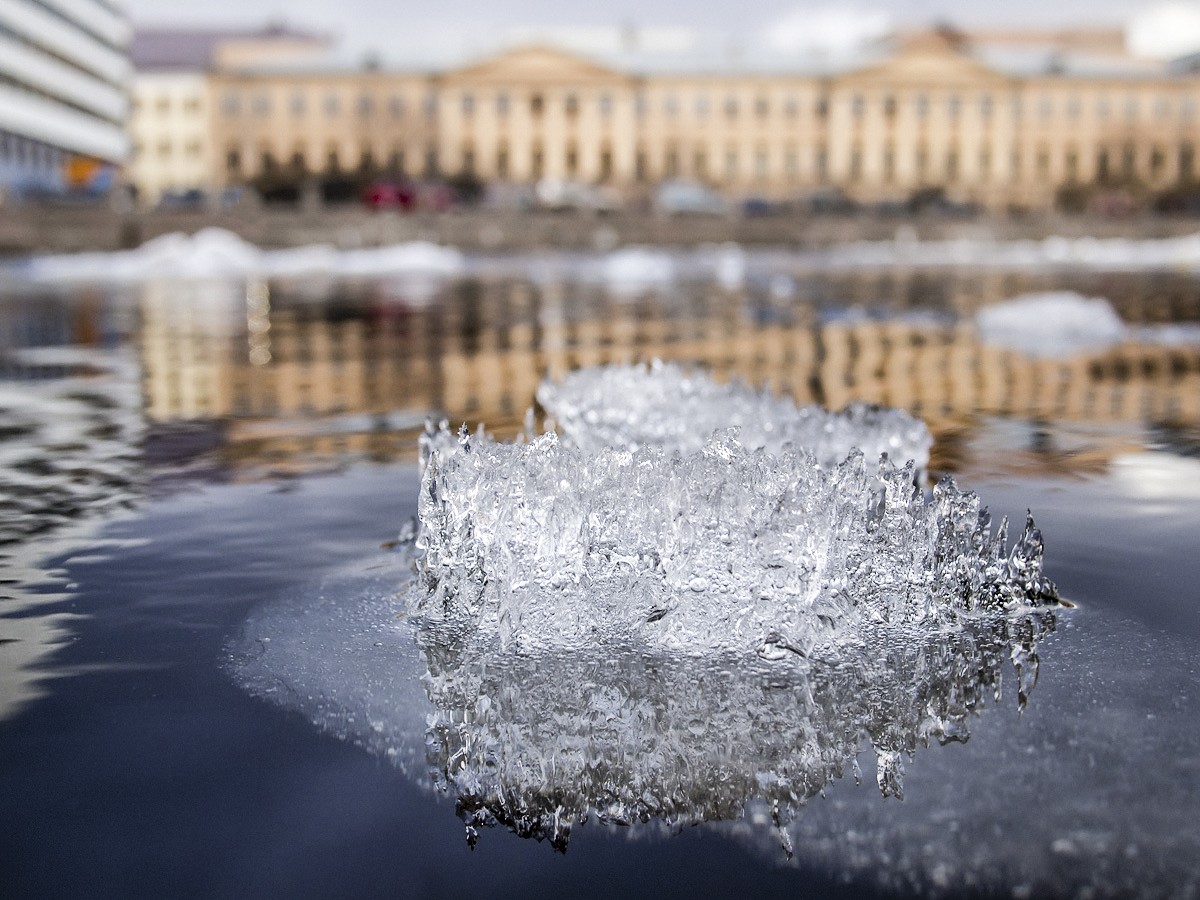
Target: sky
column 396, row 30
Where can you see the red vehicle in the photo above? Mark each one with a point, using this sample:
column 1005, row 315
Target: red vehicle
column 389, row 195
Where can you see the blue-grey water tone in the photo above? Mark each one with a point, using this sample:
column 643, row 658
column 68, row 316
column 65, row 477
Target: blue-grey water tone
column 208, row 686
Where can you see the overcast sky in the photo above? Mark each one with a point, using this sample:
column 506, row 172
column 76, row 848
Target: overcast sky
column 454, row 27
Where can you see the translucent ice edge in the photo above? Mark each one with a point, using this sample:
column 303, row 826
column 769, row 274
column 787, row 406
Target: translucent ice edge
column 540, row 544
column 664, row 405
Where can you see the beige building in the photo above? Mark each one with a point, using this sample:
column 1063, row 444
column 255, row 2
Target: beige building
column 171, row 122
column 1008, row 118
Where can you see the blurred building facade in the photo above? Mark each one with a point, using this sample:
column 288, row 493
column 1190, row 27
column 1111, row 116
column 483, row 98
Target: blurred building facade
column 64, row 71
column 1016, row 118
column 171, row 119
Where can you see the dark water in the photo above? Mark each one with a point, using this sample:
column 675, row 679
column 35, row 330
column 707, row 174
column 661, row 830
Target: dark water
column 171, row 467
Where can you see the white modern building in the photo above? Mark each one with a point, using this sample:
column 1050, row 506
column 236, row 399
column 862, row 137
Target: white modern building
column 64, row 75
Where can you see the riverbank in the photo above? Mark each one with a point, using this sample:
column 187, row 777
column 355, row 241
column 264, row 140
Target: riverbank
column 26, row 230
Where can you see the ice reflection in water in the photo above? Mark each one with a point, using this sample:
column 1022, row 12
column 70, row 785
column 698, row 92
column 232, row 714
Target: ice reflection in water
column 537, row 743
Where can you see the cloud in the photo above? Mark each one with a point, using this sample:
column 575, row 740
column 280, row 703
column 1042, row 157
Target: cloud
column 1164, row 31
column 829, row 29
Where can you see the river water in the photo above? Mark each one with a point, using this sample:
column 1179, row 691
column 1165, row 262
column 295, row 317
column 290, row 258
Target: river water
column 204, row 690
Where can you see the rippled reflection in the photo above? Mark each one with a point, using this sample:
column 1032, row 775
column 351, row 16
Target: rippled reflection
column 537, row 744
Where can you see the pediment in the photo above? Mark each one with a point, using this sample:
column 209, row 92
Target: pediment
column 929, row 59
column 536, row 65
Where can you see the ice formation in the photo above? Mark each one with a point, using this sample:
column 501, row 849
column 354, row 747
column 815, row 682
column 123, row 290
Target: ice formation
column 538, row 743
column 666, row 406
column 1054, row 324
column 730, row 547
column 218, row 253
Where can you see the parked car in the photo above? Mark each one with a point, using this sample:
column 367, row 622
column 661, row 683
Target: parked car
column 688, row 198
column 389, row 195
column 561, row 195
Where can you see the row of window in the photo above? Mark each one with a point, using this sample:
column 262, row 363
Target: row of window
column 24, row 153
column 165, row 149
column 671, row 106
column 164, row 104
column 1118, row 162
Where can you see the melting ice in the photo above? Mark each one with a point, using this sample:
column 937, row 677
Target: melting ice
column 651, row 536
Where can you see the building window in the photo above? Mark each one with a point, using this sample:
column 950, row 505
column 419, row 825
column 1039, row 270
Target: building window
column 953, row 106
column 1187, row 109
column 889, row 164
column 985, row 107
column 606, row 163
column 921, row 106
column 366, row 105
column 571, row 106
column 396, row 106
column 821, row 162
column 266, row 161
column 731, row 163
column 700, row 163
column 1158, row 161
column 639, row 104
column 1102, row 166
column 502, row 102
column 1074, row 107
column 639, row 165
column 431, row 106
column 193, row 149
column 858, row 106
column 431, row 162
column 502, row 161
column 702, row 106
column 332, row 162
column 985, row 164
column 791, row 163
column 731, row 107
column 671, row 162
column 1102, row 108
column 231, row 104
column 537, row 104
column 163, row 105
column 1071, row 165
column 856, row 163
column 1043, row 163
column 1162, row 108
column 606, row 105
column 762, row 164
column 164, row 149
column 1131, row 109
column 821, row 109
column 298, row 163
column 791, row 107
column 762, row 107
column 191, row 105
column 1129, row 161
column 537, row 162
column 889, row 107
column 572, row 160
column 1046, row 106
column 1187, row 162
column 670, row 106
column 396, row 163
column 468, row 159
column 332, row 105
column 468, row 105
column 297, row 104
column 262, row 104
column 233, row 160
column 952, row 165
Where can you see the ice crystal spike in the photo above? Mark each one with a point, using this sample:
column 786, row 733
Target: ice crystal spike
column 548, row 545
column 663, row 405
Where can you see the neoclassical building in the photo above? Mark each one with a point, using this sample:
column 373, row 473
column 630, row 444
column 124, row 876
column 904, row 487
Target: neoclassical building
column 999, row 119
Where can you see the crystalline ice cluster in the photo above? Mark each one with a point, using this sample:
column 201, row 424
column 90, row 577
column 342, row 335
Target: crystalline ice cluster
column 537, row 743
column 544, row 544
column 663, row 405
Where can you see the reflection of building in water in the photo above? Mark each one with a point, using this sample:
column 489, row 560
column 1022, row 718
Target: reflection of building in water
column 351, row 365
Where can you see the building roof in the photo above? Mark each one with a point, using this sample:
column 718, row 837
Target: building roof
column 176, row 49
